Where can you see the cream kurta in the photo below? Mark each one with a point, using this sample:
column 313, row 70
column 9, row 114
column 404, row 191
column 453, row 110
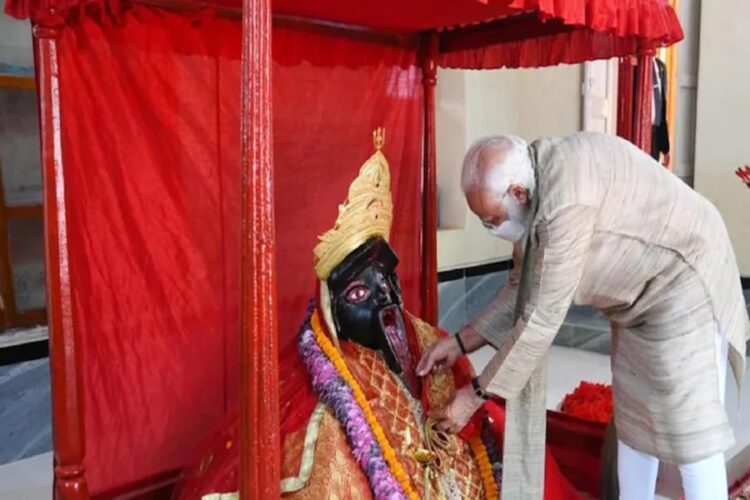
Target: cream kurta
column 616, row 231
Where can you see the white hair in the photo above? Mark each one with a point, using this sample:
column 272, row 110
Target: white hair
column 513, row 166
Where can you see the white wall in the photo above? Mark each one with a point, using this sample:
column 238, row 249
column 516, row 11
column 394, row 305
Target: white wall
column 550, row 101
column 722, row 135
column 15, row 41
column 683, row 151
column 472, row 104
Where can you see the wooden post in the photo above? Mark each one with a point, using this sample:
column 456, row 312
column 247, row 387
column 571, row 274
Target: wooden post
column 259, row 385
column 67, row 412
column 428, row 56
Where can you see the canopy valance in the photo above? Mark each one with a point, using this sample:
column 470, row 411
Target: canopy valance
column 472, row 34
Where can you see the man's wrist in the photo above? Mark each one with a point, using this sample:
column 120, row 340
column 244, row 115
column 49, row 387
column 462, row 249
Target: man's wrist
column 471, row 339
column 478, row 390
column 484, row 380
column 460, row 342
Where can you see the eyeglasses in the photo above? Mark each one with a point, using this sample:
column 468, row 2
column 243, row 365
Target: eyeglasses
column 489, row 224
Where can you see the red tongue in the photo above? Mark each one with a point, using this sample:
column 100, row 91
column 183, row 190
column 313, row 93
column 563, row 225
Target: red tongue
column 400, row 349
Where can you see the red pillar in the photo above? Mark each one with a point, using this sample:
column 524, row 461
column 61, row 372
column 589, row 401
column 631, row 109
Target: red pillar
column 259, row 397
column 67, row 414
column 428, row 56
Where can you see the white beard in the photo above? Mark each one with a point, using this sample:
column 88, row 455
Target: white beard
column 513, row 229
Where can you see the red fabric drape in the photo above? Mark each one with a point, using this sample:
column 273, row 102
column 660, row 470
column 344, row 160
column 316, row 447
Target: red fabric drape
column 642, row 103
column 151, row 145
column 149, row 183
column 635, row 97
column 625, row 95
column 590, row 29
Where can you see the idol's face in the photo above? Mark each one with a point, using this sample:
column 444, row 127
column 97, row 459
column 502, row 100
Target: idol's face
column 366, row 304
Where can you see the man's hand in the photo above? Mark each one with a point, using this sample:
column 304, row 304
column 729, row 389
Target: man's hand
column 439, row 357
column 444, row 353
column 457, row 413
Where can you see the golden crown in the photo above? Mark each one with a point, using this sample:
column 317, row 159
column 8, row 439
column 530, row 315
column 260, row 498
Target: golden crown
column 366, row 213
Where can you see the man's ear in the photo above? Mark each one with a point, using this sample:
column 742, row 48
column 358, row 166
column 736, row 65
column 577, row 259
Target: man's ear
column 520, row 193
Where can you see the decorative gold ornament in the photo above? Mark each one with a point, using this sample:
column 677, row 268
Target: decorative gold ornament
column 366, row 213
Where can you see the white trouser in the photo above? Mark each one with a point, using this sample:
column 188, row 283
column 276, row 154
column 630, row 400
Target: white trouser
column 704, row 480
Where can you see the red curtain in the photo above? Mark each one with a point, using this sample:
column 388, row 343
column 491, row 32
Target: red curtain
column 635, row 97
column 151, row 144
column 587, row 30
column 643, row 117
column 625, row 95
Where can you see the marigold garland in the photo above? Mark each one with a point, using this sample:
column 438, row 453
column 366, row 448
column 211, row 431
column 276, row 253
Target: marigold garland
column 485, row 468
column 388, row 453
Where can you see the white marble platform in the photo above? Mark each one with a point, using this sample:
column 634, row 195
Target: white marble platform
column 28, row 479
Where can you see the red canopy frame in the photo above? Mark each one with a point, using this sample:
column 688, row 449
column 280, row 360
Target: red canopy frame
column 471, row 35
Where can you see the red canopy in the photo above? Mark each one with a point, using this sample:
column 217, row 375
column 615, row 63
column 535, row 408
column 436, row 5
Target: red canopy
column 474, row 34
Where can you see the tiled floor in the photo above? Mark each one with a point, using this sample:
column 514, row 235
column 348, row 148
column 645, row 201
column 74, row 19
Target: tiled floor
column 24, row 410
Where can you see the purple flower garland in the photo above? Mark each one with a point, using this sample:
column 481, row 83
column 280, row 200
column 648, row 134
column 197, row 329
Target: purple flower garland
column 334, row 392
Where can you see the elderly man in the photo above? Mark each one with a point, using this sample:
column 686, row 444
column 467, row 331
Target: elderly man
column 601, row 223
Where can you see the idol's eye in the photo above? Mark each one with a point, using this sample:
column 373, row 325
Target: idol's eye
column 357, row 293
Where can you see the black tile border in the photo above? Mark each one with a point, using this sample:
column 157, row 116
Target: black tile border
column 469, row 272
column 24, row 352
